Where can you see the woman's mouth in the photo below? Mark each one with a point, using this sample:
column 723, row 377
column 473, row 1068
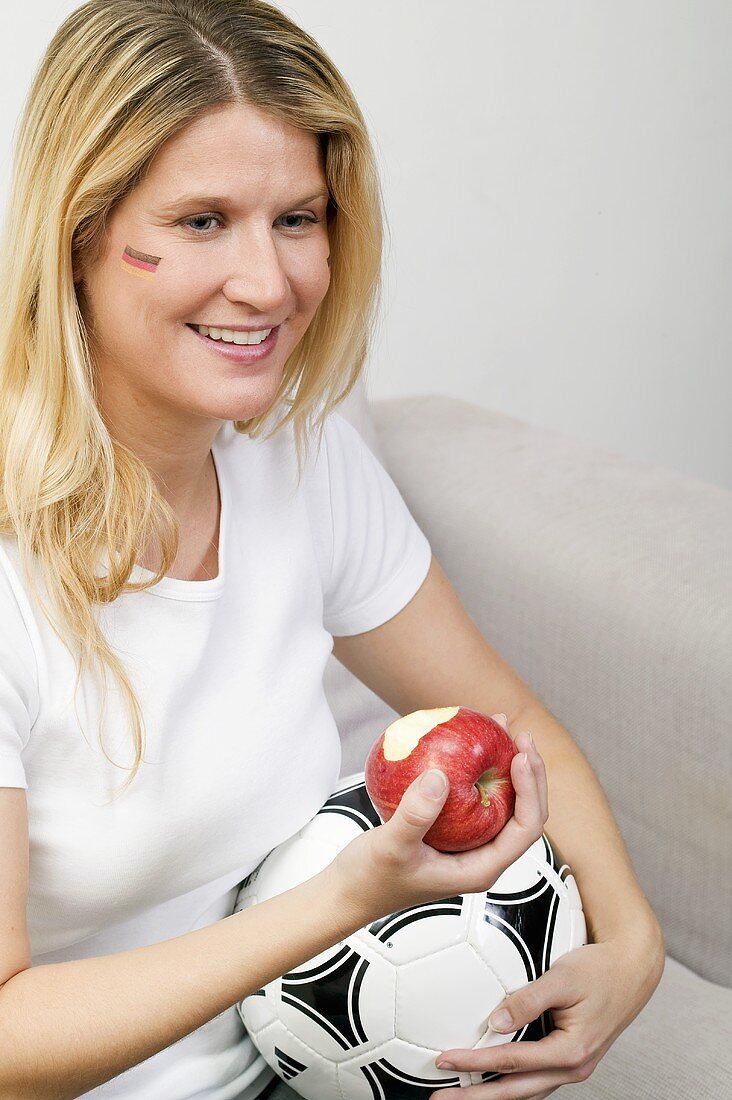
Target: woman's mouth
column 238, row 353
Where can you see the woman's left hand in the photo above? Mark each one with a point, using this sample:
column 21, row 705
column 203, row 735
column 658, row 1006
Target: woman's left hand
column 593, row 993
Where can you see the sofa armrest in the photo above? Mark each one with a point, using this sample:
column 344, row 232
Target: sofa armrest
column 606, row 583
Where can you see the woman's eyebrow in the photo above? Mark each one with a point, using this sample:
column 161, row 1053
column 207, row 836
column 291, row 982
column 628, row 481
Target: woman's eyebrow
column 196, row 199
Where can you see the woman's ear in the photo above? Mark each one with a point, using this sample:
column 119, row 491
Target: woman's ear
column 77, row 267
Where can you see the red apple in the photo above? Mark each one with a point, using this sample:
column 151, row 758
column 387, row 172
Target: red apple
column 473, row 751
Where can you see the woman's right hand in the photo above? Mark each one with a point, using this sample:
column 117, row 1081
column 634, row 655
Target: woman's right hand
column 389, row 867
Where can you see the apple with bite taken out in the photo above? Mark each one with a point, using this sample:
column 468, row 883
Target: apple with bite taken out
column 475, row 753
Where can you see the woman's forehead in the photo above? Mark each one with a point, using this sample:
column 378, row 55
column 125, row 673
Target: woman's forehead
column 237, row 154
column 246, row 128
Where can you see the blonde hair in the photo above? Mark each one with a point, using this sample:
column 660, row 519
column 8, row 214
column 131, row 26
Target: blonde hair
column 117, row 80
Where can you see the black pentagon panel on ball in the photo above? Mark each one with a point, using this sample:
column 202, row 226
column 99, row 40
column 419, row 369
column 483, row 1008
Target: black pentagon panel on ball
column 353, row 801
column 329, row 993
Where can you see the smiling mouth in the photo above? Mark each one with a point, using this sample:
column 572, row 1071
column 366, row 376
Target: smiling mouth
column 236, row 350
column 240, row 337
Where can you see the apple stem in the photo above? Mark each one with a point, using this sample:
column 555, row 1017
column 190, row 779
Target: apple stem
column 484, row 783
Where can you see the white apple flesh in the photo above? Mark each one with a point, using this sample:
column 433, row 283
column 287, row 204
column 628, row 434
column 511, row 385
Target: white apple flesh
column 473, row 751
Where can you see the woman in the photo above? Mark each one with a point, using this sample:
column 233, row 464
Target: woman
column 188, row 170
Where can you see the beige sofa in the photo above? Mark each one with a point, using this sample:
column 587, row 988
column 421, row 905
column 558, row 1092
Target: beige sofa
column 606, row 582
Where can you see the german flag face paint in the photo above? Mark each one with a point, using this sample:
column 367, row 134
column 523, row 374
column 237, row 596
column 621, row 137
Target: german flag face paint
column 139, row 263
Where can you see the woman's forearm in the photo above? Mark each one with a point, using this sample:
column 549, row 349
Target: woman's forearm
column 66, row 1028
column 582, row 826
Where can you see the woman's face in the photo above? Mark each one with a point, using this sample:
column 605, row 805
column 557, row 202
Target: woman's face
column 230, row 236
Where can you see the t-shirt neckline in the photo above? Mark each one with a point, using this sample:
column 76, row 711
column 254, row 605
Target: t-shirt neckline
column 175, row 587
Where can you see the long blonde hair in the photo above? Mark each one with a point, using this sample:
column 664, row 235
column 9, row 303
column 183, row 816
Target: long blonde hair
column 117, row 80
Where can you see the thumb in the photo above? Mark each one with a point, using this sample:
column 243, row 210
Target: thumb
column 420, row 805
column 555, row 988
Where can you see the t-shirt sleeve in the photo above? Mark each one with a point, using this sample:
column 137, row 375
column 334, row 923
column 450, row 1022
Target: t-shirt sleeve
column 375, row 554
column 19, row 699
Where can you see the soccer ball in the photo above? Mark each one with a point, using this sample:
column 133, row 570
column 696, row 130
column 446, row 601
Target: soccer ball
column 368, row 1017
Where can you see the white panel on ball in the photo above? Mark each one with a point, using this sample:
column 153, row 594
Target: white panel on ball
column 579, row 929
column 261, row 1010
column 443, row 1000
column 290, row 864
column 492, row 942
column 417, row 932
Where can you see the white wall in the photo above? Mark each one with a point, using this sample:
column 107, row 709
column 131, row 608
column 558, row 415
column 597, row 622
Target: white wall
column 557, row 180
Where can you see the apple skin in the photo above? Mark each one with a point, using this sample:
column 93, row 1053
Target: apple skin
column 464, row 747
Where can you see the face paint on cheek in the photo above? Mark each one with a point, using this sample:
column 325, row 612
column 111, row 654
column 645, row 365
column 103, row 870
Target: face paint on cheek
column 139, row 263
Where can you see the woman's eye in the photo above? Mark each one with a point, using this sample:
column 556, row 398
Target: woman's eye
column 200, row 218
column 302, row 218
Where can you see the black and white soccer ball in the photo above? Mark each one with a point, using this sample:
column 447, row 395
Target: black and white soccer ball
column 366, row 1019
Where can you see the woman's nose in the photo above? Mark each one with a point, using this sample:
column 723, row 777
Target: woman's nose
column 257, row 274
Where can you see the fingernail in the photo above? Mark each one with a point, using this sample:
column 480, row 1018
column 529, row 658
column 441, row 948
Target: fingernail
column 531, row 739
column 433, row 783
column 501, row 1020
column 445, row 1065
column 525, row 761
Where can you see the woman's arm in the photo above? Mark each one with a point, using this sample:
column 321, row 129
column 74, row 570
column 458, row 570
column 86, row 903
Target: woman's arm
column 65, row 1028
column 587, row 837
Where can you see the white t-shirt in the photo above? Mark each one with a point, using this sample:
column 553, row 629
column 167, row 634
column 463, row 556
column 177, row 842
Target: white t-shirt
column 242, row 747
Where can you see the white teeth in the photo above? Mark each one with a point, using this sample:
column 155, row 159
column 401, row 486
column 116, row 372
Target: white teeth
column 229, row 336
